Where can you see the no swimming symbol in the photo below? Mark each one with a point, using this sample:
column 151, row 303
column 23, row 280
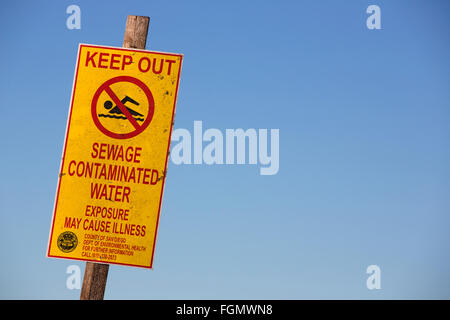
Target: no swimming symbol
column 120, row 111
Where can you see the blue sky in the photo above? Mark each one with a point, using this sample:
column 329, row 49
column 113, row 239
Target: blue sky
column 364, row 148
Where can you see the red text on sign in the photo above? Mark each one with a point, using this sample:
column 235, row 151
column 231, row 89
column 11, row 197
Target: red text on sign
column 116, row 61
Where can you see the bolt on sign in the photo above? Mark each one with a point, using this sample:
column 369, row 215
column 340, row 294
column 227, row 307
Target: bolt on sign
column 114, row 162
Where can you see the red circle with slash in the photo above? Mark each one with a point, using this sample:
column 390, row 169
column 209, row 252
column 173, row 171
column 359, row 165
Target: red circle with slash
column 107, row 88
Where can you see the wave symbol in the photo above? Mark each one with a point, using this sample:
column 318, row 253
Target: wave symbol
column 118, row 117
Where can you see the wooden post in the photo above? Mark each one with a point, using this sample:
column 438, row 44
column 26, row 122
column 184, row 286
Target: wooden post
column 95, row 274
column 94, row 281
column 136, row 32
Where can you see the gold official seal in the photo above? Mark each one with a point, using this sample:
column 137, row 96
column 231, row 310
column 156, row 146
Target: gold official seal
column 67, row 241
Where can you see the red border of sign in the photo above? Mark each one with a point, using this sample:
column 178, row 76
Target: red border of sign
column 65, row 146
column 103, row 87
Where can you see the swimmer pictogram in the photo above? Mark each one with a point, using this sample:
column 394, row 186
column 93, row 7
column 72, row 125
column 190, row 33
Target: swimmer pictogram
column 116, row 112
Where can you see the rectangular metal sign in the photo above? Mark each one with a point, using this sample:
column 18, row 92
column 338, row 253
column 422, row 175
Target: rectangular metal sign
column 114, row 162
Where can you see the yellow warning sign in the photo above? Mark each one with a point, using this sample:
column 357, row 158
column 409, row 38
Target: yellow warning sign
column 114, row 161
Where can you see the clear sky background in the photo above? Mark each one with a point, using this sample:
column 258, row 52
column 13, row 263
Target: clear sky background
column 364, row 148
